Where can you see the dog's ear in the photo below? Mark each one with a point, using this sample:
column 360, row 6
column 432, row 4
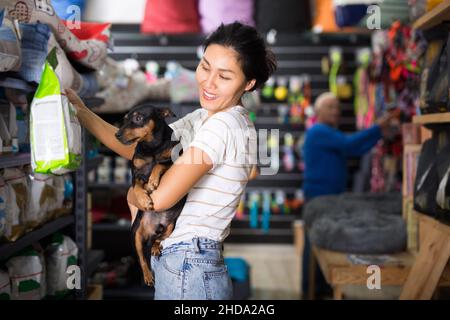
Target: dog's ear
column 165, row 112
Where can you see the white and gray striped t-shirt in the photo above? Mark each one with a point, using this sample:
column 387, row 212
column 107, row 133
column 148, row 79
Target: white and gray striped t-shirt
column 229, row 139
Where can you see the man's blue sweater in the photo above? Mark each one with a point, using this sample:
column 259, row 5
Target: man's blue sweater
column 326, row 150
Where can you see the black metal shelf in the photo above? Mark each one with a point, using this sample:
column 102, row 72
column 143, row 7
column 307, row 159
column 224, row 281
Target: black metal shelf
column 273, row 217
column 110, row 226
column 249, row 235
column 272, row 189
column 8, row 249
column 14, row 160
column 285, row 127
column 96, row 185
column 94, row 257
column 20, row 159
column 259, row 231
column 281, row 176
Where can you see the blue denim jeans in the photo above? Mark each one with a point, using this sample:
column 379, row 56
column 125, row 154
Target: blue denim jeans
column 192, row 271
column 34, row 50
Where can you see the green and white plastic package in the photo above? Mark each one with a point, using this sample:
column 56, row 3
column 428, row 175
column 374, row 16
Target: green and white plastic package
column 27, row 274
column 60, row 254
column 5, row 286
column 55, row 133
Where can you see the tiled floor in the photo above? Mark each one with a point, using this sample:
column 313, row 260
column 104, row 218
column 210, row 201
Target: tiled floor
column 275, row 269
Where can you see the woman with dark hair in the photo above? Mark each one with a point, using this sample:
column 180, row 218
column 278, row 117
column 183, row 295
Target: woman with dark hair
column 219, row 144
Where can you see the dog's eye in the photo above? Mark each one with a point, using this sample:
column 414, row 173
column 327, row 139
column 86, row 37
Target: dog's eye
column 138, row 118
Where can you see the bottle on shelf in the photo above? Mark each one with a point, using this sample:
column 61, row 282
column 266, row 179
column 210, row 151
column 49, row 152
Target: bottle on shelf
column 266, row 211
column 121, row 171
column 104, row 171
column 253, row 205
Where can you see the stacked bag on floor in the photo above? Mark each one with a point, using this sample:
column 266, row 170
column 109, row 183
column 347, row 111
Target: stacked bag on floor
column 60, row 254
column 35, row 273
column 26, row 272
column 356, row 223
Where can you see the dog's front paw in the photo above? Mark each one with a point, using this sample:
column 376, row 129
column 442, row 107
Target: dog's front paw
column 152, row 184
column 156, row 250
column 149, row 206
column 145, row 202
column 148, row 278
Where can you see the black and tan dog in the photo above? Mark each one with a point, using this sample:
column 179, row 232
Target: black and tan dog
column 147, row 126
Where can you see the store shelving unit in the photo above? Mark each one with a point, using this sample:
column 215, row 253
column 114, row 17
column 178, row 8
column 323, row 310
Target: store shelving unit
column 8, row 249
column 14, row 160
column 432, row 119
column 432, row 261
column 77, row 221
column 431, row 266
column 436, row 16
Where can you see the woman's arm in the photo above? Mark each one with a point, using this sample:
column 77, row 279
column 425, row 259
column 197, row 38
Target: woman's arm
column 178, row 180
column 99, row 128
column 254, row 173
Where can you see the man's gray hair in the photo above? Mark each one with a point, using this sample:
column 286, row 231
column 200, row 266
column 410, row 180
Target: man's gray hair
column 321, row 99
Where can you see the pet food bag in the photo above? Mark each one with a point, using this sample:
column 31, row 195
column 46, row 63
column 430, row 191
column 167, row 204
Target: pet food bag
column 5, row 286
column 26, row 273
column 41, row 254
column 5, row 226
column 55, row 133
column 60, row 254
column 12, row 229
column 17, row 195
column 60, row 207
column 43, row 196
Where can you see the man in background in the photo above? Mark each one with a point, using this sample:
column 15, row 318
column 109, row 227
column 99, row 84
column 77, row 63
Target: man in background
column 325, row 152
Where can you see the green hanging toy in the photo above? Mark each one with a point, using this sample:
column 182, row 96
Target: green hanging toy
column 360, row 83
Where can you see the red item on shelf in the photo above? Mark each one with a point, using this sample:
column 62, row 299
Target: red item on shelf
column 171, row 16
column 91, row 31
column 99, row 214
